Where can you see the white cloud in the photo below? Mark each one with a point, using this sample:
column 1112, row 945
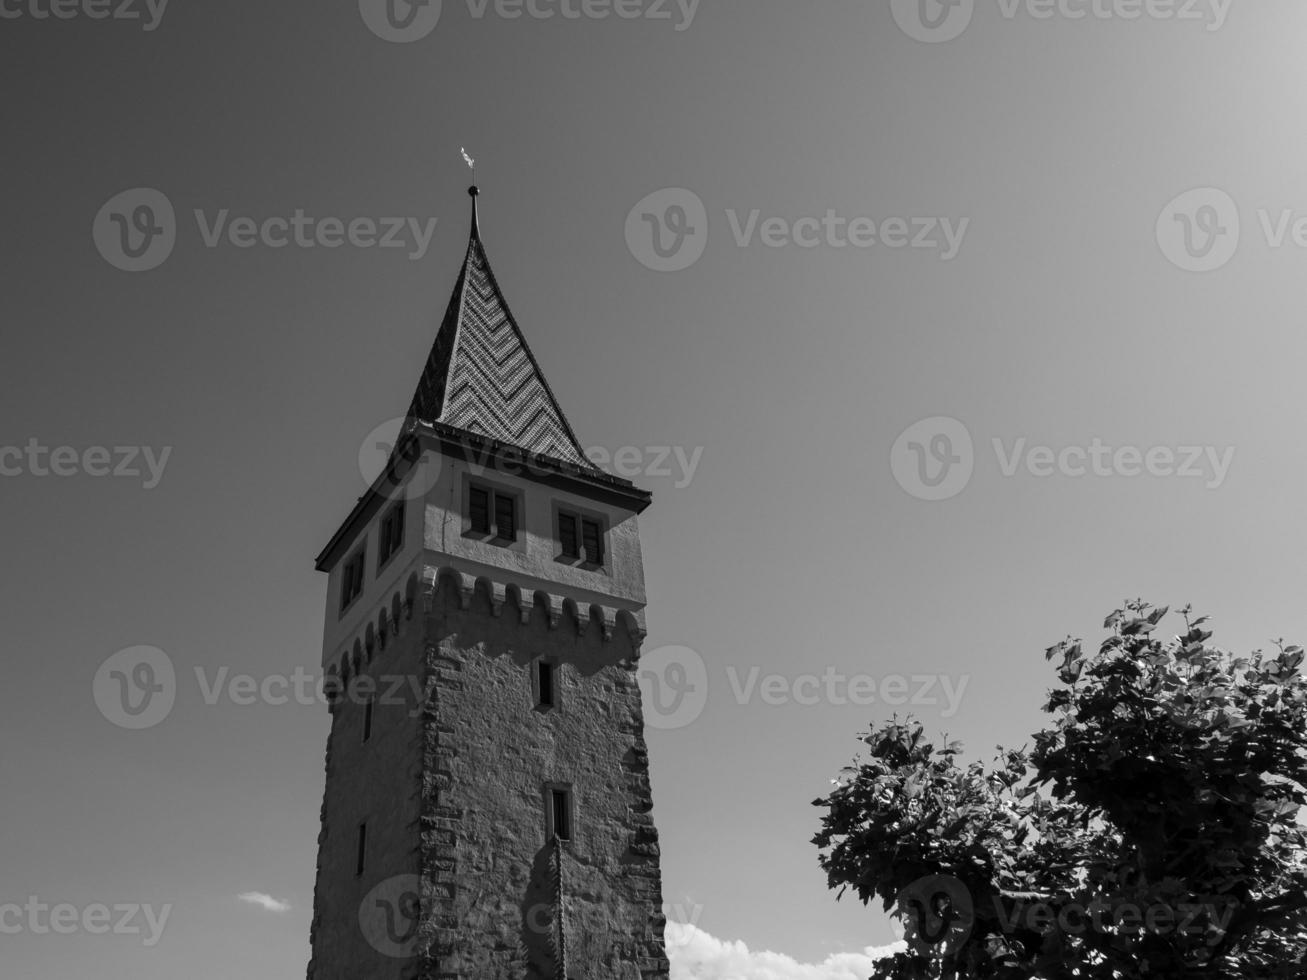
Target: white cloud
column 695, row 955
column 265, row 901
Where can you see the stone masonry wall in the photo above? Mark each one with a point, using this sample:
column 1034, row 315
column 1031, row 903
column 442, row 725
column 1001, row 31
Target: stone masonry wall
column 379, row 782
column 488, row 871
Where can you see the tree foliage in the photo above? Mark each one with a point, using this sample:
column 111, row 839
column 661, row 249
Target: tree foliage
column 1153, row 830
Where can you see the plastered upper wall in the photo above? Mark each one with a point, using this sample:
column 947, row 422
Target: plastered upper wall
column 437, row 534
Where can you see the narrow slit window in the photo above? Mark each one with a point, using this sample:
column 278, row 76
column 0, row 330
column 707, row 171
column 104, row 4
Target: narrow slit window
column 362, row 850
column 560, row 813
column 546, row 684
column 367, row 719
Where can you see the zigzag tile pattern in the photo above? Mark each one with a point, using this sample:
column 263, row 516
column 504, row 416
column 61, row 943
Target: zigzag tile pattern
column 493, row 387
column 482, row 378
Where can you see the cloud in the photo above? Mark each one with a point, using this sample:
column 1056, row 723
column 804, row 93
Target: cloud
column 695, row 955
column 265, row 901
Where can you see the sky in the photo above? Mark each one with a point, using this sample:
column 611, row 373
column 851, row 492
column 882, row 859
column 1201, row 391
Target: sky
column 962, row 325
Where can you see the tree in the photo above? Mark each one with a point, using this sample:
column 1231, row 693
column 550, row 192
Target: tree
column 1153, row 830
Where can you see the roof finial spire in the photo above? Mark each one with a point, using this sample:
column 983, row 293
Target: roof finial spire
column 473, row 190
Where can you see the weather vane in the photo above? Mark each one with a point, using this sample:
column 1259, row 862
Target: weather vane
column 472, row 164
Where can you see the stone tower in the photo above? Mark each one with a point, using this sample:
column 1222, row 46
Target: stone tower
column 487, row 812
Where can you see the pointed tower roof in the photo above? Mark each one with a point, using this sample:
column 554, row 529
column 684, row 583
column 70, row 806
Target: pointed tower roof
column 482, row 381
column 481, row 376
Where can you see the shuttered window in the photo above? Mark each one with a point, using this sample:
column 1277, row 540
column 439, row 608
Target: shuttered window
column 505, row 517
column 479, row 508
column 351, row 580
column 567, row 536
column 593, row 541
column 580, row 537
column 392, row 534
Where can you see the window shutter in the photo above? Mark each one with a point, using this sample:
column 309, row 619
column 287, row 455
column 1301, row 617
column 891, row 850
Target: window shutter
column 505, row 517
column 479, row 508
column 567, row 536
column 593, row 541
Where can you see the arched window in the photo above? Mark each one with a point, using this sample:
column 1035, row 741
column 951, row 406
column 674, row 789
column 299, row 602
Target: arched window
column 410, row 596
